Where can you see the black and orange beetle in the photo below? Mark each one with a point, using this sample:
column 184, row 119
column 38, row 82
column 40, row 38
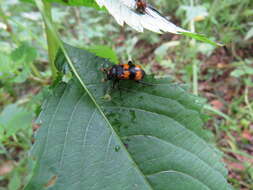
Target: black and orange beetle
column 127, row 71
column 141, row 6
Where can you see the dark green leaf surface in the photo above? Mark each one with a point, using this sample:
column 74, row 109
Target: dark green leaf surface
column 153, row 140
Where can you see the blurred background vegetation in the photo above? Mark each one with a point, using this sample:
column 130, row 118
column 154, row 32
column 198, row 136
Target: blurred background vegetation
column 223, row 76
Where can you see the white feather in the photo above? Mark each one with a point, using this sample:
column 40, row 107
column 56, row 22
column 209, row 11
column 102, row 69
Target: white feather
column 150, row 23
column 164, row 24
column 129, row 3
column 124, row 12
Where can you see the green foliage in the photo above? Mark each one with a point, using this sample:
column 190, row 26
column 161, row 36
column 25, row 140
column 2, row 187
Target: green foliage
column 14, row 182
column 24, row 54
column 249, row 34
column 140, row 138
column 14, row 119
column 201, row 37
column 87, row 3
column 105, row 52
column 16, row 67
column 244, row 71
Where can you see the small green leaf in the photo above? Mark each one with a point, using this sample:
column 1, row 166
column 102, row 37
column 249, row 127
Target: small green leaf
column 27, row 1
column 200, row 37
column 87, row 3
column 14, row 118
column 237, row 73
column 24, row 53
column 105, row 52
column 6, row 66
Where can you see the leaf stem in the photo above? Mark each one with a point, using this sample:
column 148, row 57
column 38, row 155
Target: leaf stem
column 51, row 41
column 195, row 63
column 195, row 69
column 35, row 70
column 217, row 112
column 246, row 99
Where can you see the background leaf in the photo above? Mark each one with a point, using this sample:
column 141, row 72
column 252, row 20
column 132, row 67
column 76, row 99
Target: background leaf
column 200, row 37
column 16, row 66
column 249, row 34
column 154, row 138
column 13, row 119
column 87, row 3
column 24, row 53
column 193, row 12
column 105, row 52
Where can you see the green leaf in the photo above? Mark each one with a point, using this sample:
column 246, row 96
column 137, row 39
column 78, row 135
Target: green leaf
column 87, row 3
column 6, row 66
column 238, row 73
column 16, row 66
column 249, row 34
column 24, row 53
column 27, row 1
column 15, row 182
column 144, row 137
column 13, row 119
column 201, row 37
column 105, row 52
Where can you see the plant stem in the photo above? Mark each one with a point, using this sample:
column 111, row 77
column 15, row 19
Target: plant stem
column 51, row 41
column 246, row 99
column 35, row 70
column 195, row 63
column 195, row 70
column 217, row 112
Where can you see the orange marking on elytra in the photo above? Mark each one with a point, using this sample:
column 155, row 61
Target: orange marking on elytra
column 138, row 75
column 125, row 67
column 126, row 75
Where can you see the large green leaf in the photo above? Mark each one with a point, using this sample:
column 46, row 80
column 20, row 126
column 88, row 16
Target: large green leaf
column 143, row 137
